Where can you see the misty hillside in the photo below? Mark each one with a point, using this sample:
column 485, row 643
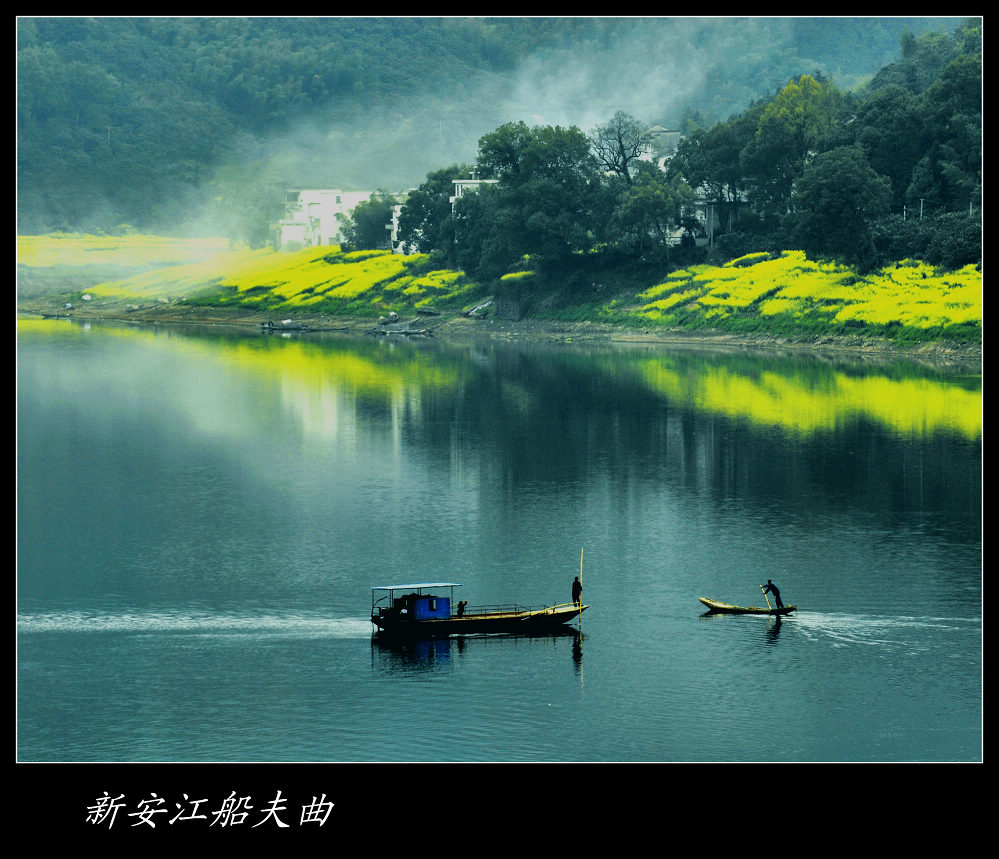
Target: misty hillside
column 189, row 124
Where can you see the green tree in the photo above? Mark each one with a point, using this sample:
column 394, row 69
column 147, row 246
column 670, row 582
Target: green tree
column 889, row 125
column 546, row 204
column 926, row 137
column 482, row 236
column 709, row 160
column 952, row 111
column 922, row 59
column 796, row 124
column 650, row 211
column 836, row 198
column 953, row 240
column 367, row 227
column 425, row 222
column 515, row 153
column 950, row 240
column 506, row 153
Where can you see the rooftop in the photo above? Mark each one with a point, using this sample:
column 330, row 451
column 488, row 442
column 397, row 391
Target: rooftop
column 416, row 586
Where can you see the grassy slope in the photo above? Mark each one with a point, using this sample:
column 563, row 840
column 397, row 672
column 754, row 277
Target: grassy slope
column 786, row 296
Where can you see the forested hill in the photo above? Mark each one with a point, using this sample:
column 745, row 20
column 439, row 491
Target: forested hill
column 163, row 124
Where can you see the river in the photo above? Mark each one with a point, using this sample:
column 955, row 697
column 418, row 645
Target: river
column 202, row 514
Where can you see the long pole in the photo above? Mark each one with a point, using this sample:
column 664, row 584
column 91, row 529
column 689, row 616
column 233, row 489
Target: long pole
column 579, row 617
column 770, row 607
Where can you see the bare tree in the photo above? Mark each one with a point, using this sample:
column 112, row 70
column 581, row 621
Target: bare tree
column 619, row 142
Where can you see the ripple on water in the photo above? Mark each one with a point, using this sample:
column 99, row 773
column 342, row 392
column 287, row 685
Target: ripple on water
column 883, row 631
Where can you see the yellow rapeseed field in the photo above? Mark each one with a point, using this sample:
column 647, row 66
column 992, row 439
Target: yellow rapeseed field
column 791, row 287
column 759, row 291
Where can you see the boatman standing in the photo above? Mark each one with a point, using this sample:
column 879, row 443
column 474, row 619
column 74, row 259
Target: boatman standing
column 577, row 589
column 772, row 588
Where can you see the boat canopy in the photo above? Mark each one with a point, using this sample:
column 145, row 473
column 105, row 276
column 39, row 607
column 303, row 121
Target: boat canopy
column 417, row 586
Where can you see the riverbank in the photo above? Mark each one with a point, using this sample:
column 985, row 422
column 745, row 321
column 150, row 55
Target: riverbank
column 784, row 302
column 459, row 327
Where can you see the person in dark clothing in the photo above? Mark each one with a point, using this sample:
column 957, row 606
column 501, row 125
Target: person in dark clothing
column 772, row 588
column 577, row 589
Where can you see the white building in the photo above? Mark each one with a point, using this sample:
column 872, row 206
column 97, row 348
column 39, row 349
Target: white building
column 393, row 227
column 314, row 217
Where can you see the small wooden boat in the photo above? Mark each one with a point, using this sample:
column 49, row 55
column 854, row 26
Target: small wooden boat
column 284, row 325
column 726, row 608
column 289, row 325
column 421, row 610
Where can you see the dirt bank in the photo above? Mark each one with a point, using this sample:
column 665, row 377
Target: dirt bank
column 459, row 328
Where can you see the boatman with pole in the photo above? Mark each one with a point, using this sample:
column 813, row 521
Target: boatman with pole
column 577, row 589
column 772, row 588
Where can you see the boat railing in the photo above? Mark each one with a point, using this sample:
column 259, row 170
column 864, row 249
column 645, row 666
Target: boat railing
column 494, row 609
column 506, row 608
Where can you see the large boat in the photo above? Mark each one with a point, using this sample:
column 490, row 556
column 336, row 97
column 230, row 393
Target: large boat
column 428, row 609
column 725, row 608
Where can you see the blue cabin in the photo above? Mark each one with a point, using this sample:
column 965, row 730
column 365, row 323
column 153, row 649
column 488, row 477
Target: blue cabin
column 416, row 602
column 425, row 606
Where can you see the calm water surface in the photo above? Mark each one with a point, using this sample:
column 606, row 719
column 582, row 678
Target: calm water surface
column 202, row 515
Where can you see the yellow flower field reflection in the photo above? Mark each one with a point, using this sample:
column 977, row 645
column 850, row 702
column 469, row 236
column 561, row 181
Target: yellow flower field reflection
column 353, row 372
column 800, row 398
column 377, row 371
column 808, row 403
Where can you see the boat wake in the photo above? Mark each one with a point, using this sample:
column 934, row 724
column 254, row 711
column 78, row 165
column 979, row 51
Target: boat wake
column 195, row 623
column 886, row 631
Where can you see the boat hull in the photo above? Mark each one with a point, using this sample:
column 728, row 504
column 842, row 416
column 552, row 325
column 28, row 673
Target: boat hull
column 515, row 623
column 725, row 608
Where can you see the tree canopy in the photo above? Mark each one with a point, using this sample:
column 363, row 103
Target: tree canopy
column 836, row 198
column 812, row 167
column 367, row 226
column 545, row 204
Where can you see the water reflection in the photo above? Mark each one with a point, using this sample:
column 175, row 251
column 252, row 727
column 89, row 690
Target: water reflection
column 806, row 399
column 430, row 655
column 417, row 655
column 799, row 396
column 782, row 432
